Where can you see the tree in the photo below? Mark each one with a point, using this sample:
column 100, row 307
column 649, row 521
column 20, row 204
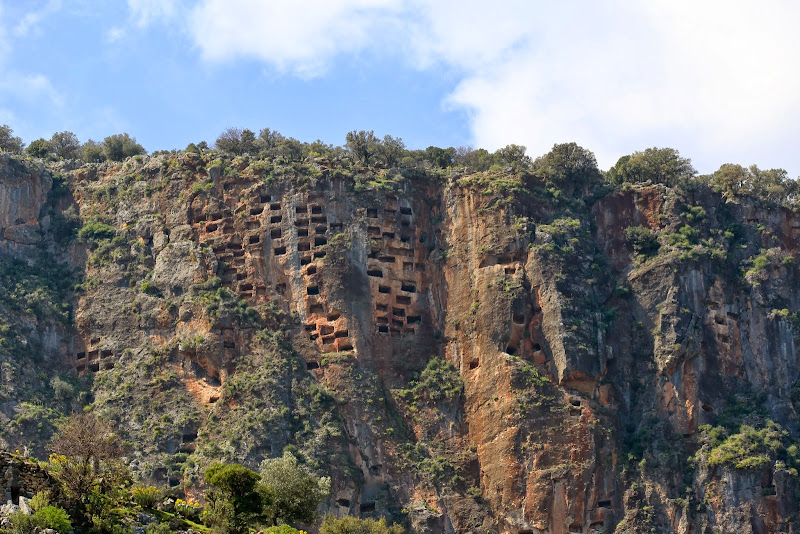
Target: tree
column 289, row 149
column 236, row 141
column 477, row 160
column 92, row 152
column 38, row 149
column 659, row 165
column 268, row 141
column 354, row 525
column 391, row 150
column 86, row 463
column 363, row 145
column 440, row 157
column 9, row 143
column 568, row 166
column 297, row 492
column 65, row 145
column 236, row 500
column 120, row 146
column 731, row 179
column 513, row 156
column 318, row 148
column 771, row 185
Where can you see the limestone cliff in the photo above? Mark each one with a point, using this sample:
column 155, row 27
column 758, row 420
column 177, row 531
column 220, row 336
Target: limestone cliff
column 462, row 352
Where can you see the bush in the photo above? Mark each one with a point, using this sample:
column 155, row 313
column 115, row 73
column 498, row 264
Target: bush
column 53, row 517
column 354, row 525
column 642, row 240
column 283, row 529
column 150, row 288
column 188, row 509
column 97, row 231
column 62, row 389
column 47, row 517
column 147, row 497
column 39, row 500
column 747, row 449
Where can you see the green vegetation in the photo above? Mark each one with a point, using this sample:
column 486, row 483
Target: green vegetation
column 236, row 500
column 439, row 381
column 8, row 142
column 642, row 240
column 568, row 167
column 221, row 303
column 744, row 438
column 354, row 525
column 120, row 146
column 769, row 185
column 96, row 231
column 297, row 493
column 658, row 165
column 51, row 517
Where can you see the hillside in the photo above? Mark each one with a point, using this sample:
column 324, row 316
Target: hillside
column 461, row 351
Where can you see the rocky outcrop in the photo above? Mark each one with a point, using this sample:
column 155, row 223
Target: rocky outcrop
column 462, row 352
column 21, row 477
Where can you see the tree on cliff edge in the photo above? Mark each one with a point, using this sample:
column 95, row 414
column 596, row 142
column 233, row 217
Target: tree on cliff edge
column 9, row 143
column 120, row 146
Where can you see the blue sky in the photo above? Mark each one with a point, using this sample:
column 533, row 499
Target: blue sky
column 718, row 80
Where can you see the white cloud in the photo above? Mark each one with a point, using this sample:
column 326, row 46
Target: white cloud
column 29, row 22
column 144, row 12
column 298, row 37
column 30, row 88
column 25, row 86
column 715, row 79
column 707, row 78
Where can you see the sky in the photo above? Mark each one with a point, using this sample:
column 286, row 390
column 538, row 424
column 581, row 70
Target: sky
column 717, row 80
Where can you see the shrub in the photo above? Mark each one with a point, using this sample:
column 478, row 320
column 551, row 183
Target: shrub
column 642, row 240
column 283, row 529
column 62, row 389
column 47, row 517
column 40, row 500
column 354, row 525
column 749, row 448
column 147, row 496
column 96, row 231
column 188, row 509
column 150, row 288
column 53, row 517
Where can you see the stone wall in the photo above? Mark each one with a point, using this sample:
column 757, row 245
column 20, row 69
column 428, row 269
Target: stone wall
column 21, row 477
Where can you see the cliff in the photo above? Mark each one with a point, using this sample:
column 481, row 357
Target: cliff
column 465, row 352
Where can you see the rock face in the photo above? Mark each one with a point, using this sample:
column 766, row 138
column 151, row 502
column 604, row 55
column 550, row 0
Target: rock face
column 465, row 353
column 20, row 478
